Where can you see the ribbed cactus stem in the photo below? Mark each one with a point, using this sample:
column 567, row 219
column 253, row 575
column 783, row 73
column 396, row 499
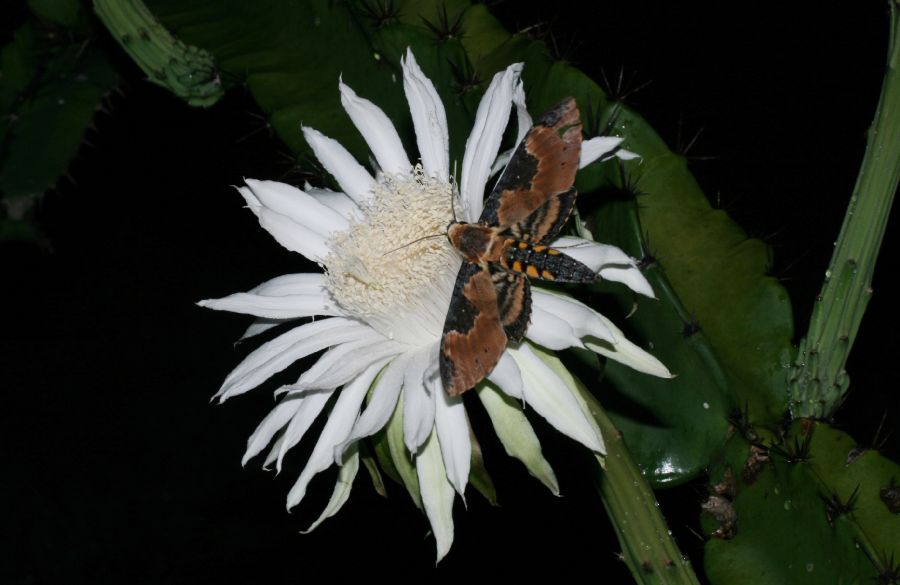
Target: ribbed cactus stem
column 817, row 379
column 187, row 71
column 648, row 548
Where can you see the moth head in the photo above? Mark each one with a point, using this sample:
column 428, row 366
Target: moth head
column 472, row 240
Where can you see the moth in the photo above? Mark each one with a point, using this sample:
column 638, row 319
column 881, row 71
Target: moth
column 532, row 200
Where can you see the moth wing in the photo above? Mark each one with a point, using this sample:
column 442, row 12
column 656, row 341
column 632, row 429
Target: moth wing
column 474, row 337
column 534, row 195
column 513, row 302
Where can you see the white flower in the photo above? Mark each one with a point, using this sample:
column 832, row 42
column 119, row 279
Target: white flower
column 385, row 303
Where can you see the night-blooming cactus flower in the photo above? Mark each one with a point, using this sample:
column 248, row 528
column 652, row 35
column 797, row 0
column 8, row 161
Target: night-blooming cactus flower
column 381, row 304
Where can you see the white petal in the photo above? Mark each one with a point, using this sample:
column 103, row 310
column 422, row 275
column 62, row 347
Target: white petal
column 344, row 362
column 274, row 422
column 550, row 331
column 292, row 284
column 611, row 262
column 377, row 130
column 437, row 494
column 501, row 162
column 418, row 399
column 522, row 115
column 597, row 147
column 353, row 178
column 339, row 202
column 627, row 154
column 302, row 209
column 277, row 354
column 281, row 307
column 582, row 320
column 342, row 488
column 516, row 434
column 340, row 421
column 553, row 400
column 311, row 405
column 261, row 325
column 453, row 434
column 381, row 404
column 484, row 141
column 289, row 234
column 272, row 455
column 627, row 353
column 506, row 375
column 429, row 119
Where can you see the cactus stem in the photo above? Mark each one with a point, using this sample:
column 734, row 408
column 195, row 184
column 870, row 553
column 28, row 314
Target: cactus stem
column 847, row 289
column 188, row 72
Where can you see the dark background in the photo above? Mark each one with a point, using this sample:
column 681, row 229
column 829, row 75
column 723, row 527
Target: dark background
column 116, row 468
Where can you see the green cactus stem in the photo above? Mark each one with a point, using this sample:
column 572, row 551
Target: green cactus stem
column 648, row 548
column 818, row 380
column 187, row 71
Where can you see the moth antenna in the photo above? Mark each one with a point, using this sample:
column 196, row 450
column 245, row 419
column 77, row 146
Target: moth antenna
column 413, row 242
column 453, row 207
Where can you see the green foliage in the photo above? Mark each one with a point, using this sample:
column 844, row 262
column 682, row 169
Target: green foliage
column 807, row 509
column 673, row 427
column 49, row 93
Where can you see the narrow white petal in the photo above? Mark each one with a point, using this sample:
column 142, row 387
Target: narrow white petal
column 483, row 143
column 627, row 154
column 292, row 284
column 377, row 130
column 272, row 455
column 274, row 422
column 277, row 354
column 581, row 319
column 302, row 209
column 516, row 434
column 418, row 400
column 501, row 162
column 286, row 232
column 335, row 200
column 283, row 307
column 612, row 263
column 429, row 119
column 550, row 331
column 344, row 362
column 453, row 434
column 261, row 325
column 293, row 236
column 353, row 178
column 522, row 116
column 342, row 488
column 507, row 376
column 311, row 405
column 437, row 494
column 597, row 147
column 340, row 421
column 553, row 400
column 381, row 404
column 627, row 353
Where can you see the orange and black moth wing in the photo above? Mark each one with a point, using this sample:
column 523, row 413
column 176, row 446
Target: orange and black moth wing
column 474, row 338
column 534, row 196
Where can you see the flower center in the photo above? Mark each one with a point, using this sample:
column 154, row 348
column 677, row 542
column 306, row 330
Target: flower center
column 378, row 272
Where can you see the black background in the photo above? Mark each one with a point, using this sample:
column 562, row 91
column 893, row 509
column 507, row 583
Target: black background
column 116, row 468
